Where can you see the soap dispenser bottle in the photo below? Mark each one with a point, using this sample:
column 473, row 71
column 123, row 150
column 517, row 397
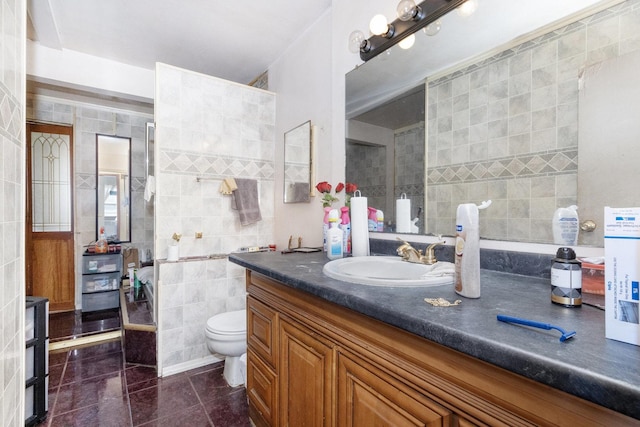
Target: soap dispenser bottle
column 102, row 246
column 345, row 225
column 334, row 238
column 467, row 249
column 566, row 226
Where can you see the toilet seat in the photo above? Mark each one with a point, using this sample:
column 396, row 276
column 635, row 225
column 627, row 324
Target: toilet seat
column 229, row 323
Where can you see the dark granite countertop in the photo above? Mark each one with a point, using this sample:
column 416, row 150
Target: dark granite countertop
column 588, row 365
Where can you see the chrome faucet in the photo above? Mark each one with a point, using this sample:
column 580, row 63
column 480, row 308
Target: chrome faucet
column 411, row 254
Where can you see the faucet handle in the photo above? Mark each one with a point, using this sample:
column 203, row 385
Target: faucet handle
column 430, row 255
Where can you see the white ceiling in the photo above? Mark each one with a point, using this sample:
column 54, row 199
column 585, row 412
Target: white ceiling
column 233, row 40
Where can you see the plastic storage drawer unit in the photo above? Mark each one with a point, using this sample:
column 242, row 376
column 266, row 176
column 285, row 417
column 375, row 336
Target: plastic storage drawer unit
column 106, row 263
column 100, row 282
column 100, row 300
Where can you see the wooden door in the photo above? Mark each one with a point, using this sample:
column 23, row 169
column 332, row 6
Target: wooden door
column 306, row 378
column 49, row 244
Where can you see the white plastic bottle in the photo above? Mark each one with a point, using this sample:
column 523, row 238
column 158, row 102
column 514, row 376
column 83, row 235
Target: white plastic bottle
column 467, row 249
column 566, row 226
column 334, row 239
column 379, row 220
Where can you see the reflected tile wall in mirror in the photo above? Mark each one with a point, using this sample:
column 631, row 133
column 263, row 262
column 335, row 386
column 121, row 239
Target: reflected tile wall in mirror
column 506, row 128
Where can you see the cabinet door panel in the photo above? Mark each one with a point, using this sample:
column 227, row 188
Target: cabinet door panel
column 370, row 398
column 261, row 330
column 305, row 377
column 261, row 390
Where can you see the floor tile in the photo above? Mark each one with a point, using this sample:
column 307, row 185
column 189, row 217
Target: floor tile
column 96, row 350
column 140, row 377
column 165, row 399
column 58, row 358
column 90, row 392
column 210, row 384
column 195, row 416
column 71, row 324
column 229, row 410
column 55, row 375
column 112, row 412
column 92, row 367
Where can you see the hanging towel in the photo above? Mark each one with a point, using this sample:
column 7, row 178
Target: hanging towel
column 247, row 201
column 149, row 188
column 228, row 186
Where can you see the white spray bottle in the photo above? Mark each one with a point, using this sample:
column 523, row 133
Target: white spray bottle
column 467, row 249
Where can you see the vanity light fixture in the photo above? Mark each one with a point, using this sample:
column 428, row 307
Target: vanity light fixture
column 411, row 18
column 407, row 42
column 467, row 8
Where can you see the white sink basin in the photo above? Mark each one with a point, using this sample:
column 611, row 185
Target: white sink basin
column 389, row 271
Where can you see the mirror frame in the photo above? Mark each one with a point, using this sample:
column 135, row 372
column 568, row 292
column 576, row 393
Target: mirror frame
column 298, row 138
column 103, row 138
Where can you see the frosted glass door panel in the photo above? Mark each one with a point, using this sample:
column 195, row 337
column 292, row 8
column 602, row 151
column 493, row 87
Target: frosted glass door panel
column 51, row 182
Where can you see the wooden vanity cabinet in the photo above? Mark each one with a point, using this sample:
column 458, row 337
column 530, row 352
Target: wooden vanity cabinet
column 314, row 363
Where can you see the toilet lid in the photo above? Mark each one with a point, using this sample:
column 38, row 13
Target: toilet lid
column 231, row 322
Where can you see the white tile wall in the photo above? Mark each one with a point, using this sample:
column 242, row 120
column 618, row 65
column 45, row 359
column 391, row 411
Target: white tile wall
column 210, row 128
column 12, row 157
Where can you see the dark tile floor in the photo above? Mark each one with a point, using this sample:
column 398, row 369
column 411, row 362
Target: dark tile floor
column 95, row 386
column 74, row 324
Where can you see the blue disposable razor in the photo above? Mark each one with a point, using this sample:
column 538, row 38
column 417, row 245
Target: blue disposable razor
column 526, row 322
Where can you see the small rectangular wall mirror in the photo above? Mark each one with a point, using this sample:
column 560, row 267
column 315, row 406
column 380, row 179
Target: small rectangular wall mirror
column 297, row 164
column 113, row 189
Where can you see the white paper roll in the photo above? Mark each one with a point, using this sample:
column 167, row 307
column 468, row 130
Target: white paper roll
column 173, row 253
column 359, row 227
column 403, row 215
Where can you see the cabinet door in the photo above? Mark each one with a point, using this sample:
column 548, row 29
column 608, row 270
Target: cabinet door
column 367, row 397
column 261, row 391
column 305, row 376
column 261, row 330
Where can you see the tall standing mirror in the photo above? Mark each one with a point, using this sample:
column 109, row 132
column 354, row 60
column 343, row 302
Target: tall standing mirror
column 297, row 164
column 113, row 189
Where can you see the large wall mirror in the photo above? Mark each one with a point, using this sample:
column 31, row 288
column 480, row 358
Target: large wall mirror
column 501, row 115
column 297, row 164
column 113, row 189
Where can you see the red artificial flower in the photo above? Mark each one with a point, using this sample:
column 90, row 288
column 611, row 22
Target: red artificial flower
column 323, row 187
column 339, row 187
column 351, row 188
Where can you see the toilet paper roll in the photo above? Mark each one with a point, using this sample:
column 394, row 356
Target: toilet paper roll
column 403, row 215
column 173, row 253
column 359, row 227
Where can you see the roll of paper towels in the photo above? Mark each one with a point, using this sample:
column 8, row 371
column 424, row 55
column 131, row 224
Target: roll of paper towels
column 359, row 226
column 173, row 253
column 403, row 214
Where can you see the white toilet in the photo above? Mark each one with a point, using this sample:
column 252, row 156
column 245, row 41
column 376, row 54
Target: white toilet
column 226, row 335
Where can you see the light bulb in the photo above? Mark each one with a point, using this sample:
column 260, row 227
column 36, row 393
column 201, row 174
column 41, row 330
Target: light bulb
column 406, row 9
column 467, row 8
column 407, row 42
column 433, row 28
column 378, row 25
column 355, row 40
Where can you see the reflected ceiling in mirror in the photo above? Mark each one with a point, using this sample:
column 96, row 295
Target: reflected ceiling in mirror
column 495, row 23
